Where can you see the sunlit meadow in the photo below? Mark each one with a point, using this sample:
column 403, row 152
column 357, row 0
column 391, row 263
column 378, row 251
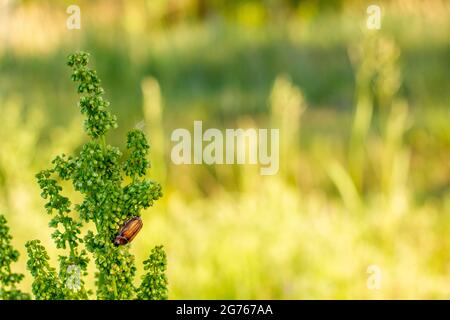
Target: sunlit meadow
column 363, row 115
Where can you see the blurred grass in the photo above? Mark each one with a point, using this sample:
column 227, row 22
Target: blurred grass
column 365, row 173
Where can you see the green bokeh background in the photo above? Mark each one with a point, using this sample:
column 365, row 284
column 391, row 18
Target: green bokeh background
column 364, row 126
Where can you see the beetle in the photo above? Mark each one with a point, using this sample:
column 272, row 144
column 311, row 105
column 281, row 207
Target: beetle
column 129, row 230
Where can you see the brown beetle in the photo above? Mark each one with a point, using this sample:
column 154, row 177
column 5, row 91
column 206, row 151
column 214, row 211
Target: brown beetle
column 129, row 230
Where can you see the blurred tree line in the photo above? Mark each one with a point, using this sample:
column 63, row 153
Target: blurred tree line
column 175, row 11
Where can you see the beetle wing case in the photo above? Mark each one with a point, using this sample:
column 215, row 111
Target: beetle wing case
column 129, row 231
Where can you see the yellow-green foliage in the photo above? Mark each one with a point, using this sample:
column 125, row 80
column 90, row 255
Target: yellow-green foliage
column 364, row 175
column 97, row 174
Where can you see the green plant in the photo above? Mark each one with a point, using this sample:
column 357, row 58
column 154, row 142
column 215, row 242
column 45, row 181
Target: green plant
column 8, row 279
column 113, row 191
column 154, row 283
